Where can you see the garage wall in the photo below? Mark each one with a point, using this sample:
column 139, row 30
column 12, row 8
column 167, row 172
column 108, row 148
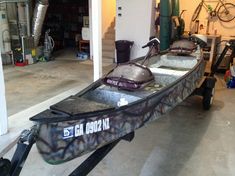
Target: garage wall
column 224, row 29
column 136, row 23
column 108, row 13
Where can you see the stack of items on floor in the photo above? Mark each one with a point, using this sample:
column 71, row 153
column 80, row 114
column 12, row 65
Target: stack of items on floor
column 230, row 77
column 29, row 54
column 82, row 56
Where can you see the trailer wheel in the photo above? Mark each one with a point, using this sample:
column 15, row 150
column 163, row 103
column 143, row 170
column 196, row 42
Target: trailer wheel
column 208, row 98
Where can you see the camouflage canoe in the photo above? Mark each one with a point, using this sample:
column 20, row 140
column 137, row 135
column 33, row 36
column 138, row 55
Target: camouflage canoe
column 101, row 114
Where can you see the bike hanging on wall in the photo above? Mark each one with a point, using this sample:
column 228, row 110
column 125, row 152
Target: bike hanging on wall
column 224, row 11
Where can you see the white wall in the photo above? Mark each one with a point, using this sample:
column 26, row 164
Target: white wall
column 90, row 26
column 108, row 13
column 3, row 112
column 136, row 23
column 96, row 11
column 224, row 29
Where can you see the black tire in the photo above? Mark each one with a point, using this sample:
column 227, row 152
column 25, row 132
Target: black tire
column 208, row 97
column 226, row 12
column 197, row 11
column 5, row 167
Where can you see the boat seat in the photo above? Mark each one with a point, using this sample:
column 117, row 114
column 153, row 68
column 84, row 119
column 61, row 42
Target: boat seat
column 111, row 95
column 76, row 105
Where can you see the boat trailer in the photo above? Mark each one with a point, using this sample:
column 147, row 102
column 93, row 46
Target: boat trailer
column 206, row 88
column 27, row 140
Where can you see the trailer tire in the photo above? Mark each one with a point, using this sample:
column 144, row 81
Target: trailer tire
column 208, row 98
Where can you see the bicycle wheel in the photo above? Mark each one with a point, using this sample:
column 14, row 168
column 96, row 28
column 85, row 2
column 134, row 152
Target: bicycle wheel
column 197, row 11
column 226, row 12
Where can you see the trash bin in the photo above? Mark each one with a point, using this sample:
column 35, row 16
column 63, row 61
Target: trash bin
column 123, row 48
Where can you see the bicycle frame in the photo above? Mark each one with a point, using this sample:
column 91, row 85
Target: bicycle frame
column 215, row 11
column 217, row 5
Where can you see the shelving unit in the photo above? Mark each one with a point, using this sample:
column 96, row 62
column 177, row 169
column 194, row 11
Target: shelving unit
column 225, row 64
column 210, row 55
column 84, row 45
column 212, row 41
column 65, row 19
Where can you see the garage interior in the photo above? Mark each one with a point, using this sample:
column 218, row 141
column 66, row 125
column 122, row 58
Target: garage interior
column 69, row 58
column 186, row 141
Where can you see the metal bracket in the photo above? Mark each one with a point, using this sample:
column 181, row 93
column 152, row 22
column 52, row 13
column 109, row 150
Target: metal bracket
column 28, row 138
column 24, row 145
column 96, row 157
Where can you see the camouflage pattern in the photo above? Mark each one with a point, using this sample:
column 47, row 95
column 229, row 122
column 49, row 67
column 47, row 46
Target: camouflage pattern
column 55, row 149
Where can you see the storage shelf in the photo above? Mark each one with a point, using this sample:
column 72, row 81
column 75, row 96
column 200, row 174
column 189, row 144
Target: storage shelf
column 65, row 19
column 212, row 41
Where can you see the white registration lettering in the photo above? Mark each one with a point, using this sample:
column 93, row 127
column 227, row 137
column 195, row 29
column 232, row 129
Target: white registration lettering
column 97, row 126
column 106, row 124
column 88, row 128
column 79, row 130
column 91, row 129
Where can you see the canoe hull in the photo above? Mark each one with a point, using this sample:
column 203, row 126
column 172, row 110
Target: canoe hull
column 62, row 141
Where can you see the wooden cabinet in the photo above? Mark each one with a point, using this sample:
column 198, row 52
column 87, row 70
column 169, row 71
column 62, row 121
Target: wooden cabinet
column 84, row 45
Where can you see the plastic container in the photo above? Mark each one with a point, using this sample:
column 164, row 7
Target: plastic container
column 82, row 56
column 123, row 48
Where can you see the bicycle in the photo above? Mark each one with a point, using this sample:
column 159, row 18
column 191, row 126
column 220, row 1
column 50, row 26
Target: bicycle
column 224, row 11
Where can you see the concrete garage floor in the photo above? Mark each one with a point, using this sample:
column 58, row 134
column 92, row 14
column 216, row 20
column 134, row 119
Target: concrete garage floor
column 186, row 142
column 30, row 85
